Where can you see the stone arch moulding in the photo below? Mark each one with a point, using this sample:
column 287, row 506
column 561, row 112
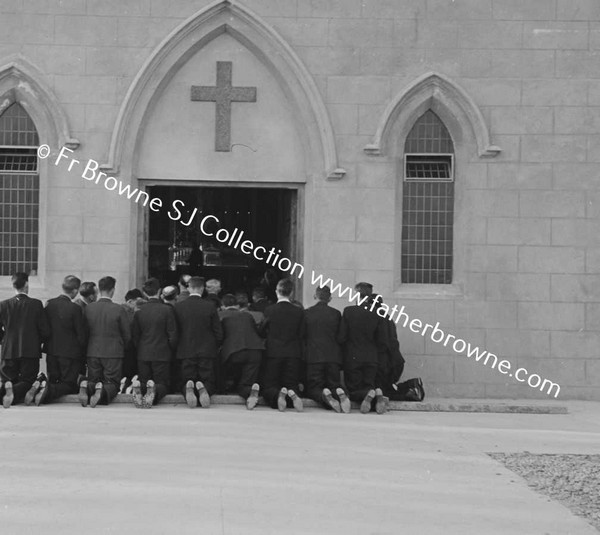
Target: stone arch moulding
column 439, row 91
column 22, row 82
column 250, row 30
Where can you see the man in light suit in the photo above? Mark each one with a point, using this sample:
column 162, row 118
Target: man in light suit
column 65, row 349
column 109, row 333
column 154, row 332
column 200, row 335
column 242, row 349
column 23, row 329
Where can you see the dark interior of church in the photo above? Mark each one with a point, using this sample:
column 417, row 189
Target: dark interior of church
column 266, row 215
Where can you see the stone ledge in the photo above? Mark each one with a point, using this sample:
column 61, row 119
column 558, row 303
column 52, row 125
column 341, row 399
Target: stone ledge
column 434, row 405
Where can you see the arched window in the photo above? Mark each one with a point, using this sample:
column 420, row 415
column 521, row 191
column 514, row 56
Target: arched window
column 19, row 192
column 428, row 203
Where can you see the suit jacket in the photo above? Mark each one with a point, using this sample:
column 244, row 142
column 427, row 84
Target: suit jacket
column 109, row 329
column 284, row 328
column 363, row 334
column 23, row 327
column 391, row 361
column 154, row 331
column 260, row 305
column 322, row 333
column 80, row 303
column 200, row 330
column 69, row 337
column 239, row 331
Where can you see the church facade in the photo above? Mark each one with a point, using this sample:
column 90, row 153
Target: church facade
column 444, row 150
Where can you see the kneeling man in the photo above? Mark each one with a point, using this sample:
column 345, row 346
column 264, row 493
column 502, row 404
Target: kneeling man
column 242, row 349
column 154, row 333
column 323, row 355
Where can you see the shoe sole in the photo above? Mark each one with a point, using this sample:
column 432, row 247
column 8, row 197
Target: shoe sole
column 204, row 398
column 345, row 405
column 380, row 407
column 30, row 396
column 281, row 403
column 41, row 396
column 365, row 406
column 252, row 400
column 95, row 399
column 83, row 397
column 333, row 403
column 9, row 397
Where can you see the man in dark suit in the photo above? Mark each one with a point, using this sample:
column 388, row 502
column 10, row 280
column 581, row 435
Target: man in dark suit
column 23, row 329
column 259, row 300
column 65, row 350
column 154, row 334
column 323, row 354
column 364, row 335
column 242, row 349
column 88, row 293
column 200, row 334
column 109, row 334
column 284, row 328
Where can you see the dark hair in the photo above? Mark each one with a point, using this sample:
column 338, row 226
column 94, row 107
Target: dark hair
column 229, row 300
column 151, row 286
column 133, row 294
column 323, row 293
column 196, row 282
column 242, row 299
column 71, row 283
column 19, row 280
column 87, row 288
column 259, row 292
column 106, row 284
column 365, row 289
column 184, row 280
column 285, row 287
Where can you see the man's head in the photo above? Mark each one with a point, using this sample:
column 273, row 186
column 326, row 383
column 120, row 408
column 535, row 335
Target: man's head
column 229, row 300
column 20, row 282
column 88, row 291
column 323, row 294
column 151, row 287
column 241, row 299
column 184, row 282
column 106, row 285
column 169, row 293
column 365, row 289
column 70, row 285
column 258, row 293
column 196, row 285
column 285, row 287
column 213, row 286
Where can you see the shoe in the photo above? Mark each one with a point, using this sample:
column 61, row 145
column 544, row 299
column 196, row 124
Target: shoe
column 420, row 389
column 42, row 394
column 345, row 404
column 95, row 399
column 137, row 394
column 281, row 401
column 148, row 400
column 365, row 406
column 84, row 399
column 30, row 396
column 203, row 396
column 298, row 405
column 190, row 395
column 9, row 395
column 122, row 386
column 333, row 403
column 253, row 397
column 381, row 403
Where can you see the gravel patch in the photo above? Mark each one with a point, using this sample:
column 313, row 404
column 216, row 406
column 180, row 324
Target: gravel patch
column 573, row 480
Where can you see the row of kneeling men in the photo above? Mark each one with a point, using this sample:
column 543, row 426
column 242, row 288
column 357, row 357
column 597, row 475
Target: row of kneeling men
column 282, row 355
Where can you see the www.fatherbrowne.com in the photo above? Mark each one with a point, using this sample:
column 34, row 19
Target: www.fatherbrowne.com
column 438, row 336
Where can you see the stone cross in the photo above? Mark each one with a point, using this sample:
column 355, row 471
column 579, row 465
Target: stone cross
column 223, row 94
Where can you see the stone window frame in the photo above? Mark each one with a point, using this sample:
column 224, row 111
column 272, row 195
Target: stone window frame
column 470, row 134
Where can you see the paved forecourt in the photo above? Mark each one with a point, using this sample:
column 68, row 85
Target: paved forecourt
column 230, row 471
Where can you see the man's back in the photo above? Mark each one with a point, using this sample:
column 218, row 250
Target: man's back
column 363, row 333
column 284, row 326
column 199, row 328
column 154, row 331
column 24, row 327
column 239, row 332
column 68, row 338
column 322, row 333
column 109, row 329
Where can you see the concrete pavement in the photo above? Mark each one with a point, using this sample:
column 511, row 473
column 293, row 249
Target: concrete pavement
column 226, row 471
